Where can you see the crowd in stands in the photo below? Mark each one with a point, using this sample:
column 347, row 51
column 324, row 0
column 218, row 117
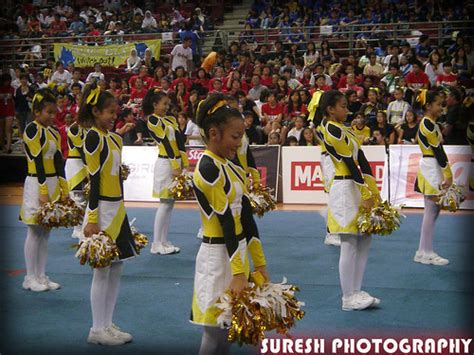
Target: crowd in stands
column 271, row 84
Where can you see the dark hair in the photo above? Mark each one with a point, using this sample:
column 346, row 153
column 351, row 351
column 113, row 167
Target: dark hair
column 152, row 96
column 431, row 97
column 291, row 139
column 125, row 112
column 350, row 92
column 447, row 64
column 85, row 117
column 76, row 85
column 42, row 97
column 208, row 115
column 329, row 99
column 455, row 93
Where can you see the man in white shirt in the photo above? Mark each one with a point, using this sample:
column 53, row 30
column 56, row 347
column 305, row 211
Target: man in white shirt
column 257, row 88
column 96, row 75
column 61, row 76
column 182, row 55
column 397, row 109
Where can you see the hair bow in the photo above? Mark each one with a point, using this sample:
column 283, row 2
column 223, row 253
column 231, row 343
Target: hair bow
column 377, row 90
column 37, row 98
column 217, row 106
column 314, row 103
column 93, row 96
column 421, row 98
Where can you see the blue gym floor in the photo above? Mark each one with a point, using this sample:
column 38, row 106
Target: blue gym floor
column 155, row 297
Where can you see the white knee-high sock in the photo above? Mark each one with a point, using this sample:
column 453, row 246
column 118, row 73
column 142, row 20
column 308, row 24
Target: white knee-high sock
column 42, row 253
column 430, row 215
column 363, row 248
column 347, row 261
column 214, row 342
column 98, row 297
column 112, row 291
column 32, row 245
column 162, row 221
column 79, row 197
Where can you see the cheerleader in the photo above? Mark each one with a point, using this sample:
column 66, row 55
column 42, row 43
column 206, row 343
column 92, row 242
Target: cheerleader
column 434, row 174
column 76, row 171
column 105, row 210
column 171, row 161
column 353, row 187
column 229, row 230
column 45, row 182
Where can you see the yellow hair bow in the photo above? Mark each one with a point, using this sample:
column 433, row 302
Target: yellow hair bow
column 38, row 98
column 421, row 98
column 217, row 106
column 93, row 96
column 314, row 103
column 374, row 89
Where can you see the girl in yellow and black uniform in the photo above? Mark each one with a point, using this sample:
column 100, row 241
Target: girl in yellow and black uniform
column 353, row 188
column 433, row 175
column 76, row 171
column 45, row 182
column 105, row 209
column 230, row 232
column 171, row 161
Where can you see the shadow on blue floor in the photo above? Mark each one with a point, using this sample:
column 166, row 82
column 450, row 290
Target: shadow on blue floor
column 155, row 297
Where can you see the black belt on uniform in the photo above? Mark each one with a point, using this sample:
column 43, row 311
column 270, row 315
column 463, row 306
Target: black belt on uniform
column 219, row 240
column 74, row 157
column 343, row 177
column 166, row 157
column 428, row 156
column 111, row 199
column 324, row 153
column 47, row 175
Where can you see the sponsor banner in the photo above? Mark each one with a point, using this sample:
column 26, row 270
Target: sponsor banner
column 110, row 55
column 404, row 162
column 141, row 160
column 302, row 176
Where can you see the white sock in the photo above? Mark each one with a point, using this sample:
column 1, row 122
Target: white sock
column 430, row 215
column 162, row 221
column 347, row 261
column 214, row 341
column 42, row 253
column 98, row 297
column 79, row 197
column 32, row 245
column 363, row 248
column 112, row 291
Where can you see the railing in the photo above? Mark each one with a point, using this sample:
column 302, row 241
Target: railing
column 345, row 39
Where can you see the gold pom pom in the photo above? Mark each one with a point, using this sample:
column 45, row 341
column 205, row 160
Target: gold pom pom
column 141, row 240
column 261, row 200
column 258, row 309
column 124, row 172
column 181, row 188
column 63, row 212
column 98, row 250
column 450, row 199
column 382, row 219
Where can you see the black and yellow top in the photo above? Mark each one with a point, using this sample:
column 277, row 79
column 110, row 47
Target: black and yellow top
column 320, row 133
column 103, row 154
column 164, row 131
column 430, row 141
column 349, row 160
column 245, row 159
column 44, row 157
column 75, row 141
column 226, row 213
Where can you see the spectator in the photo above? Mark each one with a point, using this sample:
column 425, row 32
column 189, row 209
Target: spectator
column 361, row 130
column 7, row 112
column 423, row 49
column 272, row 111
column 257, row 88
column 448, row 78
column 149, row 23
column 23, row 98
column 391, row 78
column 319, row 70
column 274, row 138
column 327, row 51
column 460, row 64
column 77, row 26
column 297, row 130
column 405, row 66
column 133, row 62
column 408, row 129
column 320, row 83
column 373, row 68
column 253, row 135
column 96, row 75
column 417, row 79
column 193, row 135
column 182, row 55
column 142, row 74
column 295, row 107
column 293, row 84
column 61, row 77
column 58, row 27
column 397, row 109
column 352, row 86
column 291, row 141
column 353, row 105
column 372, row 107
column 76, row 79
column 192, row 104
column 387, row 129
column 308, row 138
column 137, row 94
column 454, row 130
column 377, row 138
column 434, row 68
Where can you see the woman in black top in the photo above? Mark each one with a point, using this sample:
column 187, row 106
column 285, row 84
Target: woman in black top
column 408, row 130
column 23, row 98
column 387, row 129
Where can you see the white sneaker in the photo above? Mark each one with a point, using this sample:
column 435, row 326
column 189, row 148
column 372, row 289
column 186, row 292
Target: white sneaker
column 375, row 302
column 77, row 234
column 50, row 284
column 104, row 337
column 164, row 248
column 200, row 234
column 126, row 337
column 31, row 283
column 430, row 258
column 356, row 303
column 332, row 239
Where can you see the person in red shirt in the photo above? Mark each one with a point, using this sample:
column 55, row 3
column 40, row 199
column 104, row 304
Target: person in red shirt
column 417, row 78
column 351, row 85
column 245, row 67
column 115, row 88
column 137, row 95
column 93, row 35
column 180, row 77
column 343, row 80
column 58, row 27
column 157, row 76
column 182, row 95
column 201, row 83
column 294, row 108
column 272, row 111
column 7, row 112
column 218, row 74
column 320, row 81
column 448, row 78
column 142, row 74
column 266, row 78
column 217, row 86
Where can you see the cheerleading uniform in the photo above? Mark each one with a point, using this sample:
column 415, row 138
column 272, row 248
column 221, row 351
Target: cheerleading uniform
column 349, row 187
column 171, row 153
column 229, row 234
column 45, row 177
column 327, row 167
column 434, row 168
column 434, row 165
column 103, row 154
column 246, row 161
column 45, row 169
column 76, row 170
